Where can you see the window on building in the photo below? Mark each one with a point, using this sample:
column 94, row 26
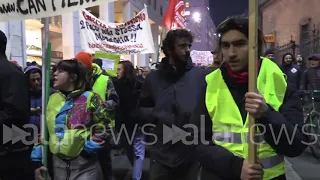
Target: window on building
column 161, row 11
column 155, row 4
column 149, row 2
column 304, row 36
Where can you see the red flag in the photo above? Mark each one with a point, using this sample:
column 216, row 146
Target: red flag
column 173, row 17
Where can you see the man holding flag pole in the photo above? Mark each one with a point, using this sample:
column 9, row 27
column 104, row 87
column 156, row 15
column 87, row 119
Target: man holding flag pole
column 243, row 114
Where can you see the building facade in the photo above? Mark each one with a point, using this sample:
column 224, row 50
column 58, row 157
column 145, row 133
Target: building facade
column 199, row 21
column 24, row 37
column 295, row 25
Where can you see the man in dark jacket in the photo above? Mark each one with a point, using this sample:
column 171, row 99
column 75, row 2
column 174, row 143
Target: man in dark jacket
column 289, row 67
column 221, row 115
column 167, row 100
column 15, row 162
column 310, row 79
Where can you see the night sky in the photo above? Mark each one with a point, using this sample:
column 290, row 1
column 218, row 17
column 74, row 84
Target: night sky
column 221, row 9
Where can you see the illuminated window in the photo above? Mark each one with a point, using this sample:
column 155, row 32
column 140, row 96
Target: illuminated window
column 187, row 4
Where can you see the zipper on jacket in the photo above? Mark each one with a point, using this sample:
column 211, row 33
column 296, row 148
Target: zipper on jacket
column 68, row 170
column 174, row 103
column 59, row 145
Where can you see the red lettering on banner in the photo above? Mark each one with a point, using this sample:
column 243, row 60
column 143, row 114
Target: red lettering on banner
column 117, row 48
column 141, row 17
column 93, row 20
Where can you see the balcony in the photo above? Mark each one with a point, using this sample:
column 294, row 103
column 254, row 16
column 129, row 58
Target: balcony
column 55, row 24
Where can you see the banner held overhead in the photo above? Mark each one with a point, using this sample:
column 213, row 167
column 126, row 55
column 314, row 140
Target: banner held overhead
column 28, row 9
column 132, row 37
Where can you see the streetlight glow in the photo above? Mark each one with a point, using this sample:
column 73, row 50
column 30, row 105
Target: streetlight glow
column 196, row 16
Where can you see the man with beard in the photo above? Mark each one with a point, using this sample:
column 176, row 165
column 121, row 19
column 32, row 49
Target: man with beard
column 167, row 100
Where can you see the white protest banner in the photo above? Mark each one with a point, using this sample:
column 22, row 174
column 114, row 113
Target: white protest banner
column 28, row 9
column 132, row 37
column 201, row 58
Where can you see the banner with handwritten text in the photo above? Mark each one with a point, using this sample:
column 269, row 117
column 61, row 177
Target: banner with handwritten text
column 29, row 9
column 201, row 58
column 132, row 37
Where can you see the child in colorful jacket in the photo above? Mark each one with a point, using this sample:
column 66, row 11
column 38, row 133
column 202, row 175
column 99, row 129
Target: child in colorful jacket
column 77, row 122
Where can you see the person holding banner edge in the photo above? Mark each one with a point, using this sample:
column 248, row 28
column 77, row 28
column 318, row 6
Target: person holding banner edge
column 224, row 109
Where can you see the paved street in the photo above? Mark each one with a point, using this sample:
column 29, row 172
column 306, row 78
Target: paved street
column 304, row 167
column 122, row 167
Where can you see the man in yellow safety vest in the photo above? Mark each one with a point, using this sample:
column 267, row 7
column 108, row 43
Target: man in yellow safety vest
column 222, row 114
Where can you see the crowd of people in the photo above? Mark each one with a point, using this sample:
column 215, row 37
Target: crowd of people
column 88, row 108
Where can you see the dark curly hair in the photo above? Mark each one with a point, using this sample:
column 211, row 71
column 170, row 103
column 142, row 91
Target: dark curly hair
column 240, row 23
column 292, row 56
column 172, row 35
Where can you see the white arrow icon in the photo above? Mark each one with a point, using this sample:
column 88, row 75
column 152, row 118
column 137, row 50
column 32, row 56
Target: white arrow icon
column 173, row 134
column 167, row 134
column 7, row 134
column 13, row 134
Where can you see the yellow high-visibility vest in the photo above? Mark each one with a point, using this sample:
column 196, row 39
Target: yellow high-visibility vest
column 228, row 128
column 100, row 87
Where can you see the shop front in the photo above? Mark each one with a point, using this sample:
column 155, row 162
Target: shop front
column 34, row 39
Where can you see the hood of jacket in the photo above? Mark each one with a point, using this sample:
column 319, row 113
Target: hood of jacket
column 96, row 70
column 30, row 68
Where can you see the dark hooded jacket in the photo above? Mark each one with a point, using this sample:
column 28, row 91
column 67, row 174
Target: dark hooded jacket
column 310, row 79
column 167, row 100
column 14, row 99
column 35, row 98
column 292, row 72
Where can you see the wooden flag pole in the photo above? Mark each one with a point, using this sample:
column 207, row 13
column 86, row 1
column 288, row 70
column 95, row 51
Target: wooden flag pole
column 253, row 56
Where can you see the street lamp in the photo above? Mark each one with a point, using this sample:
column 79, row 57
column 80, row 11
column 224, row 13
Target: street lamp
column 217, row 36
column 196, row 17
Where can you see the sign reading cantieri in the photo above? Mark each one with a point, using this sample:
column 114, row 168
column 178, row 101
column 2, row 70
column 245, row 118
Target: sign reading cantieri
column 132, row 37
column 28, row 9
